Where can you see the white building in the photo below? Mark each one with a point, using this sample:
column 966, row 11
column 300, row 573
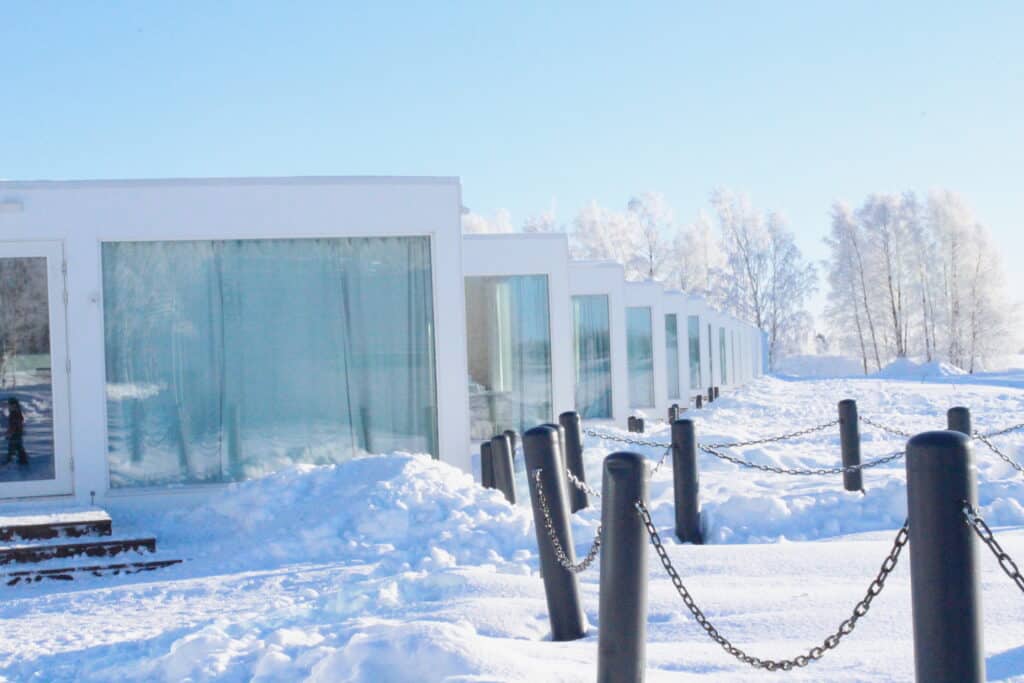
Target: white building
column 171, row 336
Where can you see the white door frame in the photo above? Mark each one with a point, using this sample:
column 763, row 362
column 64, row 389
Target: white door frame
column 62, row 483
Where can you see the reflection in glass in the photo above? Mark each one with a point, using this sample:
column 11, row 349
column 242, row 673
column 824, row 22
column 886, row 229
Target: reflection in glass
column 640, row 354
column 592, row 333
column 693, row 333
column 509, row 353
column 722, row 355
column 26, row 392
column 230, row 359
column 672, row 354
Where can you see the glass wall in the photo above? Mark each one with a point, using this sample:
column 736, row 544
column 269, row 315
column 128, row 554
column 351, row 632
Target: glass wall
column 509, row 346
column 711, row 356
column 693, row 333
column 722, row 355
column 672, row 354
column 592, row 332
column 640, row 353
column 230, row 359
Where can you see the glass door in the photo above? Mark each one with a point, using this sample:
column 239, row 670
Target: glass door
column 35, row 459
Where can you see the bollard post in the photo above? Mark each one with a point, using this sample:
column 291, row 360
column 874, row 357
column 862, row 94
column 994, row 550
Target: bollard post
column 640, row 425
column 631, row 424
column 623, row 592
column 849, row 444
column 673, row 413
column 711, row 394
column 958, row 419
column 717, row 392
column 943, row 562
column 513, row 438
column 700, row 401
column 501, row 457
column 570, row 422
column 486, row 466
column 685, row 482
column 561, row 588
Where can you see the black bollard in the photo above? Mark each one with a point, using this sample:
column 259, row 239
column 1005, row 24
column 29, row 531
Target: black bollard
column 513, row 437
column 700, row 401
column 501, row 456
column 717, row 393
column 849, row 444
column 631, row 424
column 540, row 448
column 685, row 482
column 958, row 419
column 640, row 425
column 623, row 592
column 711, row 394
column 673, row 413
column 486, row 466
column 943, row 561
column 570, row 422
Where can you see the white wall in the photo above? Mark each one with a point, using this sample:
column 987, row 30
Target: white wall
column 532, row 254
column 608, row 278
column 81, row 215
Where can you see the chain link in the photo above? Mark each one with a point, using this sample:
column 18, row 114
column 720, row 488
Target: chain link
column 984, row 438
column 799, row 471
column 781, row 437
column 1006, row 562
column 626, row 439
column 816, row 652
column 580, row 484
column 560, row 554
column 662, row 461
column 891, row 430
column 1000, row 432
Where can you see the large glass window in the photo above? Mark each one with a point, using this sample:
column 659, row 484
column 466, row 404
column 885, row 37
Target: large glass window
column 693, row 333
column 592, row 333
column 230, row 359
column 672, row 354
column 640, row 353
column 711, row 356
column 509, row 346
column 732, row 353
column 722, row 355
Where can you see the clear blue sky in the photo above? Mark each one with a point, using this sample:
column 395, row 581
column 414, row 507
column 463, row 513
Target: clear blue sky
column 532, row 105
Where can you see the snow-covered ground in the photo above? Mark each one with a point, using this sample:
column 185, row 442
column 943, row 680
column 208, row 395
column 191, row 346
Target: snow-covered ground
column 399, row 568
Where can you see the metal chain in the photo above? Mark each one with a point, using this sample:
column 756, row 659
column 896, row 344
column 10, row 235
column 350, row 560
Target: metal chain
column 797, row 471
column 560, row 554
column 626, row 439
column 879, row 425
column 580, row 484
column 815, row 653
column 780, row 437
column 1010, row 461
column 1000, row 432
column 1006, row 562
column 662, row 461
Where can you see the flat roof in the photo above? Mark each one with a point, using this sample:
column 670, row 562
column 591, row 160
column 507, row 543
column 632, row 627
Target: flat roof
column 252, row 180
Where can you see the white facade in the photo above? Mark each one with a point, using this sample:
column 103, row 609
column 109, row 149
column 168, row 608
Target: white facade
column 651, row 296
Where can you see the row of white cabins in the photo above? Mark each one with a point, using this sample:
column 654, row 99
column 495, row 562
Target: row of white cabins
column 207, row 331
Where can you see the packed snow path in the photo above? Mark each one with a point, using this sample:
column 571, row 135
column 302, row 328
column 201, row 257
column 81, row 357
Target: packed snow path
column 398, row 568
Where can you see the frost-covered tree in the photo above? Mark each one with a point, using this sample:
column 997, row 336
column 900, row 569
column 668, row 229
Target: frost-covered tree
column 696, row 257
column 542, row 222
column 475, row 223
column 653, row 221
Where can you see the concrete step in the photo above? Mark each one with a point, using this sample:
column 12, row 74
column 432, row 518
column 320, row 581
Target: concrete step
column 41, row 552
column 25, row 576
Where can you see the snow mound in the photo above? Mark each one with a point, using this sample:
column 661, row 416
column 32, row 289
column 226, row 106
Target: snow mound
column 819, row 366
column 904, row 368
column 398, row 511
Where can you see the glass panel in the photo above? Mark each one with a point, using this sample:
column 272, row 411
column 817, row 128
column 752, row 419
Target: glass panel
column 593, row 356
column 640, row 353
column 231, row 359
column 509, row 346
column 672, row 354
column 693, row 331
column 26, row 392
column 711, row 356
column 732, row 351
column 722, row 355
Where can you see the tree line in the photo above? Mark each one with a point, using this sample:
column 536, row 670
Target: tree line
column 905, row 277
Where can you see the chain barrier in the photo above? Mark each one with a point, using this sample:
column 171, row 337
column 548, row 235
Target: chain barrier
column 884, row 428
column 1000, row 432
column 580, row 484
column 625, row 439
column 780, row 437
column 984, row 438
column 798, row 471
column 1006, row 562
column 560, row 554
column 662, row 461
column 816, row 652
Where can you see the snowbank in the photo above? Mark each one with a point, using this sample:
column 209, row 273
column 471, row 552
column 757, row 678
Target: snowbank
column 906, row 369
column 819, row 366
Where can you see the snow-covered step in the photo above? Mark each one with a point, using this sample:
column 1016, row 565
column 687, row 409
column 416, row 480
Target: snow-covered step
column 63, row 524
column 70, row 573
column 41, row 552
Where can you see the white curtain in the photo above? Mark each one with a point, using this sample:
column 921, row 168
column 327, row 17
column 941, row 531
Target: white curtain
column 229, row 359
column 693, row 330
column 593, row 356
column 640, row 356
column 672, row 354
column 509, row 353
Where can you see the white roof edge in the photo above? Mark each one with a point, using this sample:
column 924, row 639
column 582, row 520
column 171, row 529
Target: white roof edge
column 517, row 235
column 250, row 180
